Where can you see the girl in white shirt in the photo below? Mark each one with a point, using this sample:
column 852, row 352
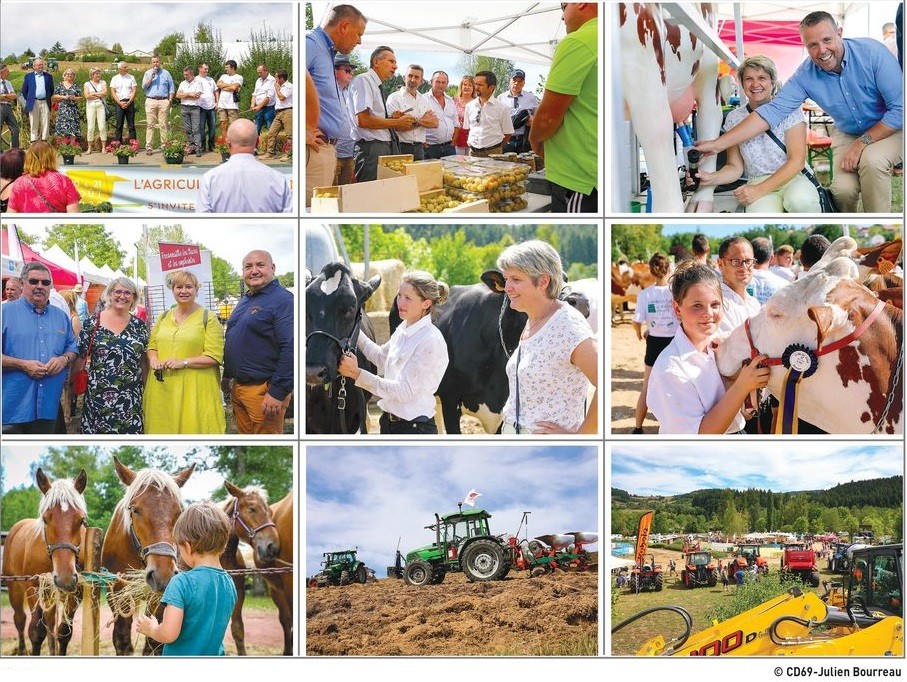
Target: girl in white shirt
column 411, row 364
column 686, row 393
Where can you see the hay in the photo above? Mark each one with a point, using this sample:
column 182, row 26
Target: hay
column 130, row 594
column 48, row 597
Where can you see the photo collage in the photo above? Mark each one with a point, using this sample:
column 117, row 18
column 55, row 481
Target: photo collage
column 473, row 425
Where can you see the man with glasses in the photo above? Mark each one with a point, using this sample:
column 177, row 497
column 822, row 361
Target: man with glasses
column 340, row 33
column 486, row 118
column 522, row 104
column 736, row 261
column 38, row 347
column 37, row 89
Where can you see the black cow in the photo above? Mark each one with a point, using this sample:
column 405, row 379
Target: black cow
column 333, row 319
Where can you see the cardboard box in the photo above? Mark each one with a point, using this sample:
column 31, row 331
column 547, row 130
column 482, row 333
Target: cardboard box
column 391, row 195
column 428, row 173
column 480, row 206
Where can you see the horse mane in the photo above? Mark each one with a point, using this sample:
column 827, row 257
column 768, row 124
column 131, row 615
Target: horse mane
column 144, row 479
column 64, row 494
column 259, row 490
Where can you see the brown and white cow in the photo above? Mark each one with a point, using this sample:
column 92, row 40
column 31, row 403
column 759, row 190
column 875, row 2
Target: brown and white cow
column 850, row 389
column 665, row 71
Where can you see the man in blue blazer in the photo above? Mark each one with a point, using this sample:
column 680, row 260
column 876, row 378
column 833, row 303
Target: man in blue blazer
column 37, row 88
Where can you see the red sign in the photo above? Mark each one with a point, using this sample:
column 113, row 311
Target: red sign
column 177, row 256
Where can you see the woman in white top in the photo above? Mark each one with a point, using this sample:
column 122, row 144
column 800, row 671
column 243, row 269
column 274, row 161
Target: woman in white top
column 686, row 393
column 95, row 94
column 411, row 363
column 775, row 182
column 655, row 314
column 557, row 357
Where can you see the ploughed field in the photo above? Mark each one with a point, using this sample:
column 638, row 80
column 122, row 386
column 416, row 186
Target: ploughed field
column 555, row 614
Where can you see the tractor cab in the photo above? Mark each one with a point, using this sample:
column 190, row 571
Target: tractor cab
column 876, row 580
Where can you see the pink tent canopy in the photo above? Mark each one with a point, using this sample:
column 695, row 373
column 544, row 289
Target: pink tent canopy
column 62, row 277
column 777, row 40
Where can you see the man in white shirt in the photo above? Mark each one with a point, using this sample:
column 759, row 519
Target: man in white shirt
column 439, row 140
column 122, row 91
column 736, row 261
column 486, row 119
column 263, row 98
column 7, row 101
column 765, row 282
column 283, row 116
column 409, row 100
column 228, row 86
column 783, row 265
column 207, row 104
column 517, row 99
column 189, row 94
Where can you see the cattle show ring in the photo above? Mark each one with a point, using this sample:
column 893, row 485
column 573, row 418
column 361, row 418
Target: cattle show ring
column 832, row 338
column 86, row 553
column 674, row 84
column 353, row 274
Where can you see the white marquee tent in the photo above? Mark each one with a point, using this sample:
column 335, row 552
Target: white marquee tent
column 518, row 31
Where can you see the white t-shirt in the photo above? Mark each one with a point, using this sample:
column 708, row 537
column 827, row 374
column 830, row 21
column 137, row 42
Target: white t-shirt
column 123, row 86
column 186, row 87
column 401, row 100
column 264, row 89
column 684, row 386
column 287, row 91
column 551, row 387
column 206, row 101
column 765, row 284
column 225, row 99
column 655, row 309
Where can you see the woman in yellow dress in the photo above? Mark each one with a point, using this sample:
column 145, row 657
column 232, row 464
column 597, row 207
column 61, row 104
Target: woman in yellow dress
column 186, row 349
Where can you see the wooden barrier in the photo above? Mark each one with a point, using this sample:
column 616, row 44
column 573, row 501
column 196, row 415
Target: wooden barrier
column 91, row 632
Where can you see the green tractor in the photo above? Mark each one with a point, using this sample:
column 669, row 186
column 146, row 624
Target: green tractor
column 463, row 542
column 340, row 568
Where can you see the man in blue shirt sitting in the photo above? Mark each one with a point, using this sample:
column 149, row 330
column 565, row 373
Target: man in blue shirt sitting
column 859, row 84
column 258, row 353
column 38, row 347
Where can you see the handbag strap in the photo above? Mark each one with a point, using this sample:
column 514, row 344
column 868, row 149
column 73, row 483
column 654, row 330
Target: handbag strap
column 807, row 171
column 94, row 330
column 516, row 373
column 43, row 198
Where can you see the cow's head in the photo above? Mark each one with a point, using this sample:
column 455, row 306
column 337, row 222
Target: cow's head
column 333, row 302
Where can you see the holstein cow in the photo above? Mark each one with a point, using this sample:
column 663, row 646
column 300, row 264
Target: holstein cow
column 333, row 318
column 481, row 331
column 665, row 70
column 847, row 345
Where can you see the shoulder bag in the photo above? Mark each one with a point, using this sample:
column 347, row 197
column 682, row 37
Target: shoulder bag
column 826, row 200
column 80, row 378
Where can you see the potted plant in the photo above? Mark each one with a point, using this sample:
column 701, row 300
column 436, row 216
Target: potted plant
column 222, row 148
column 68, row 148
column 174, row 149
column 287, row 149
column 123, row 151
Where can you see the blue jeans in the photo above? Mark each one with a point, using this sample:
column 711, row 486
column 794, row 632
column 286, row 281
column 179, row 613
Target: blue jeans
column 264, row 118
column 208, row 127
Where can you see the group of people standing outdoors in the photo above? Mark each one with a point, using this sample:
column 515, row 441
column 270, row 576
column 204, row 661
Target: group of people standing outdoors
column 170, row 378
column 349, row 123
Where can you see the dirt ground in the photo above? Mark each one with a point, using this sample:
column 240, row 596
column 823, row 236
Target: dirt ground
column 556, row 614
column 264, row 636
column 627, row 354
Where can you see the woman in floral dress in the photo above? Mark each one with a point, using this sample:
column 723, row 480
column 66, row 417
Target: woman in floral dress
column 117, row 365
column 67, row 95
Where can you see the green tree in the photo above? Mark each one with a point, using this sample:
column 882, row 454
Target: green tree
column 634, row 242
column 831, row 232
column 116, row 47
column 204, row 33
column 224, row 278
column 167, row 46
column 471, row 64
column 94, row 241
column 173, row 232
column 209, row 51
column 268, row 466
column 287, row 279
column 19, row 503
column 90, row 44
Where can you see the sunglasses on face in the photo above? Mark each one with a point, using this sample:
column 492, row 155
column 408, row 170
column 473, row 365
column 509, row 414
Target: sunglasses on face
column 36, row 282
column 346, row 69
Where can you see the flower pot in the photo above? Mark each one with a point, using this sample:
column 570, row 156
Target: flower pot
column 224, row 157
column 173, row 159
column 68, row 159
column 122, row 160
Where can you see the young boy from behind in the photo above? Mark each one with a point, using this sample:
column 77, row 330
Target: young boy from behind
column 198, row 602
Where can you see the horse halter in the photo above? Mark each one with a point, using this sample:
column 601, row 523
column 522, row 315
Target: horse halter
column 237, row 518
column 51, row 548
column 155, row 548
column 346, row 344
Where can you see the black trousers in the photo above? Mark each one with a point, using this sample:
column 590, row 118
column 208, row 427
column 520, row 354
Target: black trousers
column 129, row 114
column 565, row 200
column 420, row 425
column 8, row 118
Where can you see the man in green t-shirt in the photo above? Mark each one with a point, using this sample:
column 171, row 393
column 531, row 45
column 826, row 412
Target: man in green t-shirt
column 565, row 127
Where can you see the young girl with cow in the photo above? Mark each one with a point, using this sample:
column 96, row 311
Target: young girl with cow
column 556, row 360
column 686, row 393
column 411, row 364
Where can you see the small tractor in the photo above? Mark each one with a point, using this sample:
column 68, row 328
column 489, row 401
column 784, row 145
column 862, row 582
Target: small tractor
column 748, row 557
column 464, row 543
column 646, row 576
column 865, row 619
column 340, row 568
column 838, row 561
column 699, row 570
column 800, row 560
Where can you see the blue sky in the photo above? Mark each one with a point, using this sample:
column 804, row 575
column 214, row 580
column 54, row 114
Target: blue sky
column 676, row 468
column 370, row 496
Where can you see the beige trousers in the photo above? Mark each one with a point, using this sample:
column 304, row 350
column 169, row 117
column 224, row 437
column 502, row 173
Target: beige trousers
column 156, row 112
column 872, row 180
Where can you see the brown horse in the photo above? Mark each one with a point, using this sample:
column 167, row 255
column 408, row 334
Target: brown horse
column 140, row 537
column 252, row 524
column 281, row 584
column 51, row 543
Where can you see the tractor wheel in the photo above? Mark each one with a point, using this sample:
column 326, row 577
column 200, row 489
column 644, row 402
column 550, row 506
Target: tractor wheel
column 685, row 578
column 418, row 573
column 634, row 584
column 659, row 582
column 361, row 575
column 484, row 560
column 537, row 571
column 713, row 579
column 344, row 577
column 814, row 578
column 439, row 576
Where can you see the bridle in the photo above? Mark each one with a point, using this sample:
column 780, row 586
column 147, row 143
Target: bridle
column 53, row 547
column 347, row 345
column 504, row 305
column 237, row 518
column 155, row 548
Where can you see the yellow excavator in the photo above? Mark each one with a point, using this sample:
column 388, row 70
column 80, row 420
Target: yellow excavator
column 865, row 618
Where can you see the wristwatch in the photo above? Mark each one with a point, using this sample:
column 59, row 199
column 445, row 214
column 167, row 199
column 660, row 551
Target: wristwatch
column 866, row 139
column 185, row 364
